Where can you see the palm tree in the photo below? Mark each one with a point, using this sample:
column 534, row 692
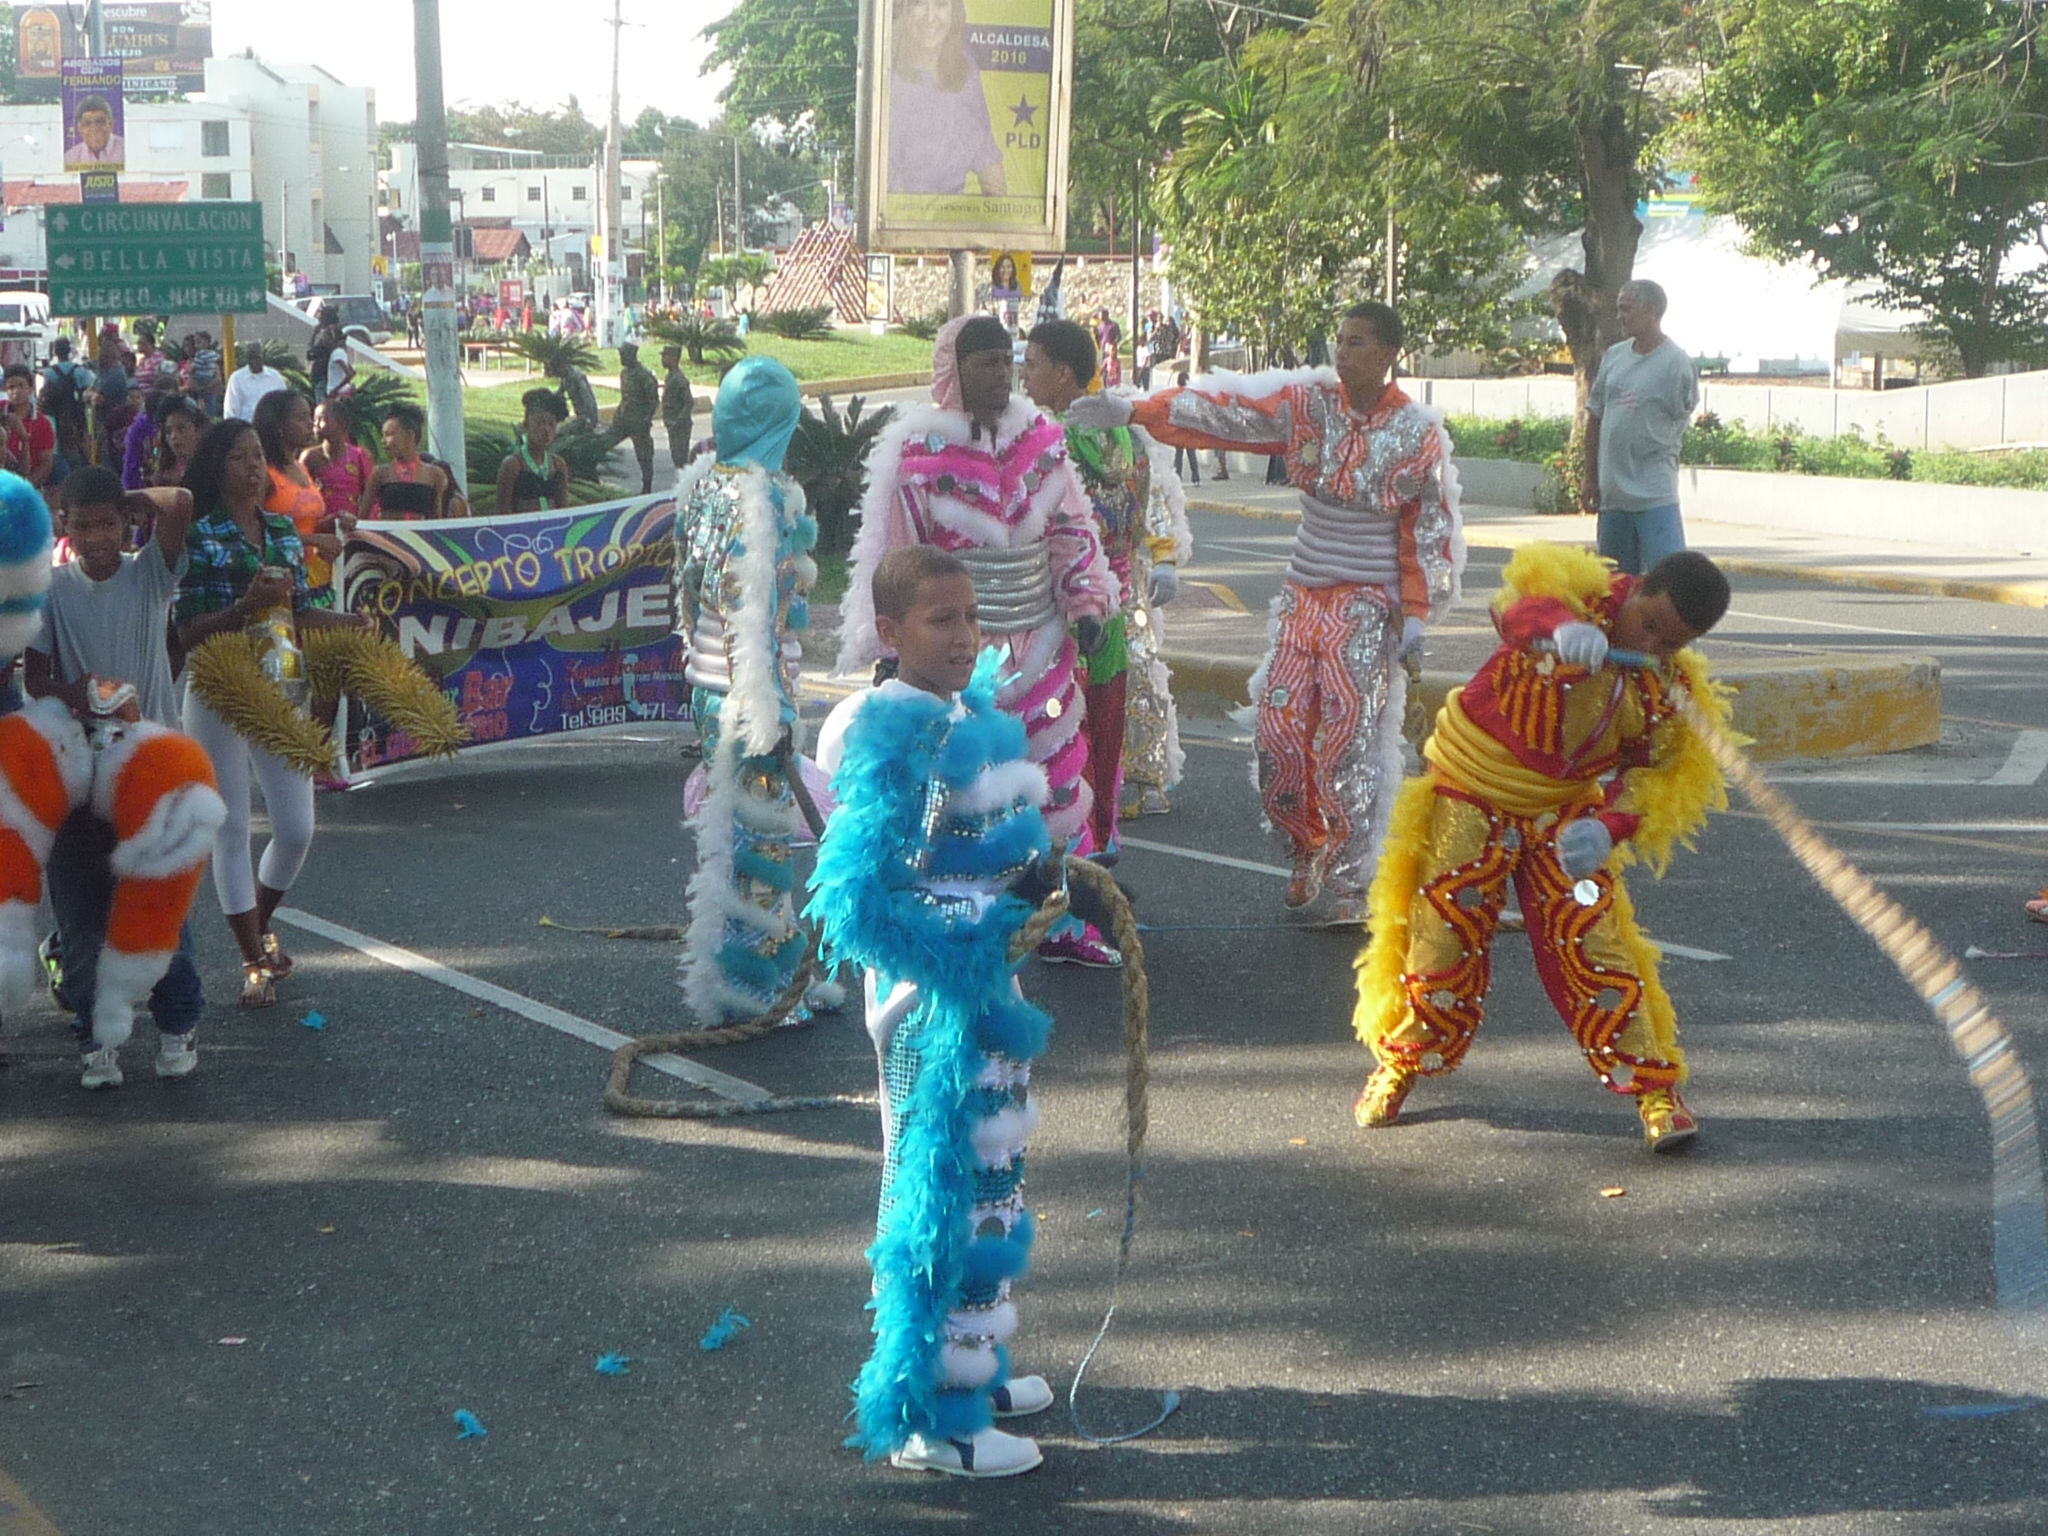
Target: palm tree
column 697, row 336
column 545, row 350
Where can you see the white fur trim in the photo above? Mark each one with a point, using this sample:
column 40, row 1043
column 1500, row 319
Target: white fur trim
column 1248, row 715
column 20, row 971
column 885, row 526
column 1392, row 767
column 1001, row 1137
column 998, row 1322
column 702, row 980
column 1166, row 512
column 998, row 787
column 29, row 575
column 177, row 836
column 1225, row 384
column 825, row 996
column 1003, row 1072
column 1454, row 503
column 966, row 1367
column 753, row 706
column 123, row 982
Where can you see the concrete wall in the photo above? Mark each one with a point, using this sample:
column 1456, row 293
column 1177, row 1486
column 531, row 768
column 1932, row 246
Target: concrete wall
column 1968, row 413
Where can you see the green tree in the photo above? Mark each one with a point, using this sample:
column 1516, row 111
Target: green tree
column 789, row 59
column 9, row 43
column 562, row 130
column 1127, row 55
column 1900, row 141
column 1548, row 110
column 1276, row 205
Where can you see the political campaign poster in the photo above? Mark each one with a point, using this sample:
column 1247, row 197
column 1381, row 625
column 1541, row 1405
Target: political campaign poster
column 162, row 44
column 964, row 114
column 93, row 130
column 534, row 625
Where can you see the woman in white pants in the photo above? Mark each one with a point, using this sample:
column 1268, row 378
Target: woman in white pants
column 246, row 563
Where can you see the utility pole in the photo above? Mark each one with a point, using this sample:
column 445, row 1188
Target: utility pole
column 610, row 224
column 437, row 248
column 739, row 203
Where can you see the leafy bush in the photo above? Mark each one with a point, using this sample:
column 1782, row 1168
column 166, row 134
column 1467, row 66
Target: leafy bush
column 828, row 457
column 1529, row 439
column 2024, row 471
column 698, row 337
column 924, row 327
column 544, row 350
column 798, row 324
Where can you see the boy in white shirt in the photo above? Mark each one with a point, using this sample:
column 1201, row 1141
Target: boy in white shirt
column 107, row 620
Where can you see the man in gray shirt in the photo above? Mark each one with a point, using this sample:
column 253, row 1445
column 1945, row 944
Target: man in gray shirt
column 1642, row 398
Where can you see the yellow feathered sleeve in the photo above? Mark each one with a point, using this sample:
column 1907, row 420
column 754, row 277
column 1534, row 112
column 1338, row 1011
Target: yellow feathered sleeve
column 1682, row 784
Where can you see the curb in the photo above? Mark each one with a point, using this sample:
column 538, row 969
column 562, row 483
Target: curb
column 868, row 382
column 1822, row 705
column 2011, row 594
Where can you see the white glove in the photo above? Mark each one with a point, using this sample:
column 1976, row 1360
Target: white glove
column 1411, row 639
column 1581, row 645
column 1164, row 586
column 1583, row 846
column 1099, row 411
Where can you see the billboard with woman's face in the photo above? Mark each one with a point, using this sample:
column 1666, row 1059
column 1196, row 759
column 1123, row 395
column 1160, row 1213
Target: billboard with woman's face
column 964, row 114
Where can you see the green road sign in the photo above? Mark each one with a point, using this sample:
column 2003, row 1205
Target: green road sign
column 156, row 258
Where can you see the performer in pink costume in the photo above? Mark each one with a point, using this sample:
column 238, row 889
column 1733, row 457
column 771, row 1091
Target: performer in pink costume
column 982, row 474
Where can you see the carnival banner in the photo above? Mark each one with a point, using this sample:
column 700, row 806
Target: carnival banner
column 534, row 625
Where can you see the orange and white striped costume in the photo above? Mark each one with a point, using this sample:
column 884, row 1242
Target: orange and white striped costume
column 156, row 787
column 1380, row 542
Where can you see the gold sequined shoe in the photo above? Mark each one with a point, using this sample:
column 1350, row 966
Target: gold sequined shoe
column 1668, row 1126
column 1385, row 1092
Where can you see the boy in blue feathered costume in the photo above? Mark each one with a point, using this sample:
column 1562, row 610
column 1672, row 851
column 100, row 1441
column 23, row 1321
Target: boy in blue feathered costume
column 936, row 856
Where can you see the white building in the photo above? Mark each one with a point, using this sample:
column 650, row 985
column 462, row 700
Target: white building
column 553, row 200
column 289, row 136
column 314, row 164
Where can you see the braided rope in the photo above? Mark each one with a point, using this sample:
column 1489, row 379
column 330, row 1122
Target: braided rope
column 2019, row 1212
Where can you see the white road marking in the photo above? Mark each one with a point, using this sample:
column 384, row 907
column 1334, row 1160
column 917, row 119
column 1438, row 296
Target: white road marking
column 2025, row 763
column 2017, row 828
column 1206, row 858
column 1683, row 951
column 513, row 1002
column 1860, row 629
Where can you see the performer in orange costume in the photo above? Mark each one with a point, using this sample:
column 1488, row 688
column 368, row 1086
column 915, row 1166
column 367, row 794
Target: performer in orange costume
column 1543, row 766
column 154, row 785
column 1378, row 556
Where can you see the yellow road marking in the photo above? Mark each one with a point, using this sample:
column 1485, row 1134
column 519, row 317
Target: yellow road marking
column 18, row 1517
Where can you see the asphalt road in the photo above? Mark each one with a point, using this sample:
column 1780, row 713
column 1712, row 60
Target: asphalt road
column 422, row 1207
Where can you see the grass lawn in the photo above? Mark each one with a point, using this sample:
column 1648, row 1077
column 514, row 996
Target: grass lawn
column 849, row 354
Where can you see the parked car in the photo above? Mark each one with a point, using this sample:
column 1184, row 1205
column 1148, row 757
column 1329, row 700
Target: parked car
column 362, row 317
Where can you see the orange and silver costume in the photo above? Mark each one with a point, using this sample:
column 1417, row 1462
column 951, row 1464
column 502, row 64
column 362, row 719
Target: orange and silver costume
column 1380, row 542
column 1527, row 746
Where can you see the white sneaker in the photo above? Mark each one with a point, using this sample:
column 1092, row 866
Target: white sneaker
column 992, row 1453
column 100, row 1068
column 1021, row 1396
column 177, row 1055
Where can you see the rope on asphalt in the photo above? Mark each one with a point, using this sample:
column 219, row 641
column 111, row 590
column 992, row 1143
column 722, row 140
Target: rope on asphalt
column 2019, row 1212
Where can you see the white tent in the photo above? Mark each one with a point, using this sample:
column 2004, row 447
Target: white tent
column 1762, row 316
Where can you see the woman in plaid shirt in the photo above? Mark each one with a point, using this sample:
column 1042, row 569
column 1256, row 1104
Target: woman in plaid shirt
column 244, row 564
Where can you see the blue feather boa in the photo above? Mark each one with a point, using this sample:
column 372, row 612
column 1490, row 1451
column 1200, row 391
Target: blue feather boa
column 865, row 904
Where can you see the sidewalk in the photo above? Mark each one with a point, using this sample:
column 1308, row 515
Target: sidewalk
column 1881, row 565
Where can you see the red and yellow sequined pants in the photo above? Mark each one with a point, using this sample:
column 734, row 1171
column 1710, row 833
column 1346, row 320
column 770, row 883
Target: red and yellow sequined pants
column 1592, row 960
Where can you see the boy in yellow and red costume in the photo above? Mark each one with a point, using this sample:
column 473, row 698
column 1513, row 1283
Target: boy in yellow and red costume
column 1555, row 766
